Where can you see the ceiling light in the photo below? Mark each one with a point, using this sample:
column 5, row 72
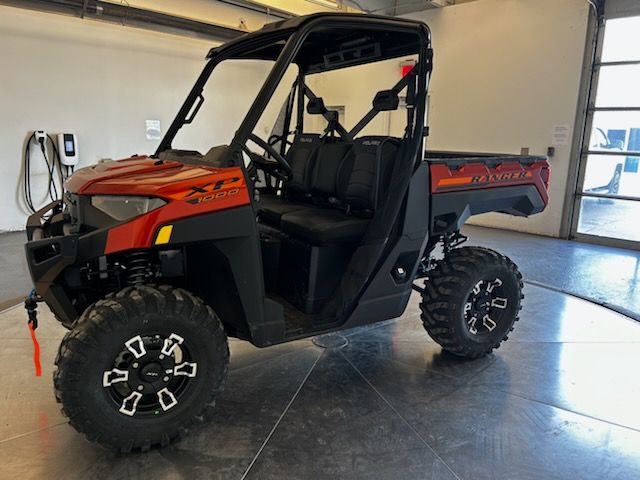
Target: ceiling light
column 326, row 3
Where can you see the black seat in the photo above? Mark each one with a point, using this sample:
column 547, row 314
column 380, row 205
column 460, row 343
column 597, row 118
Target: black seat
column 368, row 171
column 330, row 159
column 272, row 208
column 301, row 156
column 352, row 187
column 319, row 188
column 324, row 226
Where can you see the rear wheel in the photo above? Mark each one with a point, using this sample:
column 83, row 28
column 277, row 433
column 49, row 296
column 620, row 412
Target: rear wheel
column 471, row 301
column 141, row 367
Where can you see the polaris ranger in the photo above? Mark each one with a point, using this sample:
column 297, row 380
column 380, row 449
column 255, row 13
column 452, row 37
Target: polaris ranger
column 152, row 262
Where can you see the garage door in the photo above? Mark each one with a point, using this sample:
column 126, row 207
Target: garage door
column 608, row 196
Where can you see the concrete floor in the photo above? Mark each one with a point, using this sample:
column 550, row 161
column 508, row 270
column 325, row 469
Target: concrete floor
column 558, row 400
column 610, row 218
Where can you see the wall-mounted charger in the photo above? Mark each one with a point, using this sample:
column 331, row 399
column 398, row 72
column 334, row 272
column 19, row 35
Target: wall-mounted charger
column 68, row 149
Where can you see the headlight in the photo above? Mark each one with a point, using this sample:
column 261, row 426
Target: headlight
column 124, row 208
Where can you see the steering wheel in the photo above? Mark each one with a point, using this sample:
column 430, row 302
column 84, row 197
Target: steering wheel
column 276, row 166
column 275, row 138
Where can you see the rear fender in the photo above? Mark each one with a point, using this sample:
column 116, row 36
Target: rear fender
column 449, row 211
column 463, row 187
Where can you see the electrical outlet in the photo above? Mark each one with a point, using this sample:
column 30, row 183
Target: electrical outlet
column 41, row 136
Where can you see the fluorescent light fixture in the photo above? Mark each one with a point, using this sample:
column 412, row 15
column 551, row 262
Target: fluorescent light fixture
column 326, row 3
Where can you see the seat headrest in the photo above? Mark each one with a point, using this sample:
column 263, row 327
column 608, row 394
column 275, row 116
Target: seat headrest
column 386, row 100
column 316, row 106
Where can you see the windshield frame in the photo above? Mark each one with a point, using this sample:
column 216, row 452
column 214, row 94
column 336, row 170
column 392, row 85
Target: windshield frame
column 294, row 39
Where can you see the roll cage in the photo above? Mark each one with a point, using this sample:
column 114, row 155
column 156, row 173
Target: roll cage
column 319, row 43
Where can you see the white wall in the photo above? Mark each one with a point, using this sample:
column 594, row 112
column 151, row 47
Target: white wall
column 100, row 81
column 506, row 72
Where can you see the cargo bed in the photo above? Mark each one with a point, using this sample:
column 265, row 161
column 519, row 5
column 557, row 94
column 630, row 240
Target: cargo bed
column 464, row 184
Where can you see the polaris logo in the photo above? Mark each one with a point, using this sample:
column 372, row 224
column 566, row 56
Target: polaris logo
column 501, row 177
column 306, row 140
column 368, row 143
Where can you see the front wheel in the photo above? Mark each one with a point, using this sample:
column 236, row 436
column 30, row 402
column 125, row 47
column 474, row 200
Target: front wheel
column 141, row 367
column 471, row 301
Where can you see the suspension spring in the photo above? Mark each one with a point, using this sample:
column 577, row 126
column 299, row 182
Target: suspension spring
column 139, row 268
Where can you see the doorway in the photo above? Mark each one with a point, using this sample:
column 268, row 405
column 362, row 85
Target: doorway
column 607, row 200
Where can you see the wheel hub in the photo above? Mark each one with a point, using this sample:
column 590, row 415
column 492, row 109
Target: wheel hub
column 148, row 377
column 481, row 304
column 151, row 372
column 482, row 310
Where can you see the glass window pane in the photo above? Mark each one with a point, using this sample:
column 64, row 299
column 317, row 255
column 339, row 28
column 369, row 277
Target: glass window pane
column 612, row 175
column 607, row 217
column 611, row 171
column 231, row 88
column 618, row 86
column 615, row 132
column 621, row 40
column 339, row 89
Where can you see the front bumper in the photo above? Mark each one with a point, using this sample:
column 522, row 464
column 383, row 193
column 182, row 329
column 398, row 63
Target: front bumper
column 48, row 254
column 50, row 249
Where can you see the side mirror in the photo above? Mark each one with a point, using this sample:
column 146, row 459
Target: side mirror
column 316, row 106
column 386, row 100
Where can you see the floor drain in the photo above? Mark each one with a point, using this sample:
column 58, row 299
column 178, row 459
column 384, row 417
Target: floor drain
column 330, row 340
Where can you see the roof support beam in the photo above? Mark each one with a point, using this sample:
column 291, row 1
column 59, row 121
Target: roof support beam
column 129, row 16
column 259, row 8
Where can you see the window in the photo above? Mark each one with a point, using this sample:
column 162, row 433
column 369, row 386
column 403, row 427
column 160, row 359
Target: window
column 608, row 199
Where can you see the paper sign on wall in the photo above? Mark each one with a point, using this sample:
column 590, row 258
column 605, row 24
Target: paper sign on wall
column 153, row 130
column 560, row 135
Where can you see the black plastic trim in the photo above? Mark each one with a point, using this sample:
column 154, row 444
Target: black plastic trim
column 234, row 233
column 449, row 211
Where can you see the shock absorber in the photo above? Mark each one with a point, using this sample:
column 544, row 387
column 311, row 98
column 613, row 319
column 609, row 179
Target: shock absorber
column 139, row 268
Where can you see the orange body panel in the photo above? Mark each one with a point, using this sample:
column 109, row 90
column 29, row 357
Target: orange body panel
column 189, row 190
column 477, row 175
